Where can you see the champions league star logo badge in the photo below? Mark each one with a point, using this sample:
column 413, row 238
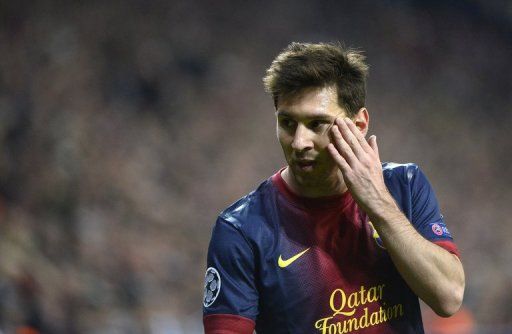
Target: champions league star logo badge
column 211, row 286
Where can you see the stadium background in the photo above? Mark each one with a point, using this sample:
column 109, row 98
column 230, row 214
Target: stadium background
column 126, row 126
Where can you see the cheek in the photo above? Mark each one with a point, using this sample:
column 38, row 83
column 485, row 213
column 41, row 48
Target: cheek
column 286, row 145
column 284, row 139
column 322, row 142
column 325, row 156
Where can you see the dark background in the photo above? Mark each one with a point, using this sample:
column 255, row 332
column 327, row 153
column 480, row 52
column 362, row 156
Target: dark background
column 125, row 127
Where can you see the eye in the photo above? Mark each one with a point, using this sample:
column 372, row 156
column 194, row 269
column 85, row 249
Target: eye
column 287, row 123
column 317, row 125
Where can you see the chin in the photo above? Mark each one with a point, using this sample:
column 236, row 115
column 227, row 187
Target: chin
column 308, row 177
column 314, row 177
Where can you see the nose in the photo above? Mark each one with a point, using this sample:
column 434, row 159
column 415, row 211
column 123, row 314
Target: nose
column 302, row 139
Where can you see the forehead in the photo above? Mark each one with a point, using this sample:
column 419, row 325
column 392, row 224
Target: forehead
column 310, row 102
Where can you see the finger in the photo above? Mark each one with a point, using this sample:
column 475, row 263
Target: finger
column 372, row 141
column 338, row 158
column 343, row 147
column 350, row 138
column 358, row 134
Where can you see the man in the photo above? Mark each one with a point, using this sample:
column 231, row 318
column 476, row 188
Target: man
column 335, row 242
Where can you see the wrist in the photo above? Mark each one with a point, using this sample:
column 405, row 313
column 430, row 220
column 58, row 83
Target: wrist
column 383, row 209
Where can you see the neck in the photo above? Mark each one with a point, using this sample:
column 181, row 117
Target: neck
column 331, row 185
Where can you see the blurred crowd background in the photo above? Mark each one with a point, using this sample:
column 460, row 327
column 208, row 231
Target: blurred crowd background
column 127, row 126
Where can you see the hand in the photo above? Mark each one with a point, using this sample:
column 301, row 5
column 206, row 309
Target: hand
column 360, row 166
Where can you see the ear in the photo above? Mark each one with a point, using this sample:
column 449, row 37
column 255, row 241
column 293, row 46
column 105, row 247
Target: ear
column 362, row 120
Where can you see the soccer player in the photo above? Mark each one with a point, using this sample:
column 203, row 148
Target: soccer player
column 336, row 241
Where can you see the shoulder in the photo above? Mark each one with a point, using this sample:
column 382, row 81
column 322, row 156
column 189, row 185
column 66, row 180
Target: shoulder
column 403, row 181
column 403, row 176
column 247, row 223
column 251, row 209
column 409, row 175
column 401, row 171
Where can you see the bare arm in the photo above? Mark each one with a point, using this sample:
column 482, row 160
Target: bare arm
column 434, row 274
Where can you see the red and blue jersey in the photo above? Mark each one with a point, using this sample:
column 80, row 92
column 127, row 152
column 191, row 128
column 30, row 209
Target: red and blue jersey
column 281, row 263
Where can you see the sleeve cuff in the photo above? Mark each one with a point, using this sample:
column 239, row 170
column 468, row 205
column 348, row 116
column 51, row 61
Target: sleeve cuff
column 449, row 246
column 227, row 324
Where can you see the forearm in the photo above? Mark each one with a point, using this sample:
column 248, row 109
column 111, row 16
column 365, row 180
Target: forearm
column 434, row 274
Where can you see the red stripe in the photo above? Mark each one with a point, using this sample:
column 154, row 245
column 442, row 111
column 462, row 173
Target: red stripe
column 227, row 324
column 449, row 246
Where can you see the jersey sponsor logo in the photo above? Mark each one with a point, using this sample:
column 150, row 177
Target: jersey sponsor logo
column 285, row 263
column 376, row 236
column 211, row 286
column 352, row 312
column 440, row 229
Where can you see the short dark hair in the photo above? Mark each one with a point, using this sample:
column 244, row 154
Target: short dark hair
column 305, row 65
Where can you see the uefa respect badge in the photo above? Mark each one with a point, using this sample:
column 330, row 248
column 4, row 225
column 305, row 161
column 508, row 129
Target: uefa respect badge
column 212, row 284
column 440, row 229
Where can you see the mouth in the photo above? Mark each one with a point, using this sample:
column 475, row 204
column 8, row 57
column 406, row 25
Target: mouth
column 305, row 165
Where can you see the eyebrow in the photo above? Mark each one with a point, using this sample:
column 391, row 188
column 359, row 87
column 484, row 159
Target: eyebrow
column 319, row 115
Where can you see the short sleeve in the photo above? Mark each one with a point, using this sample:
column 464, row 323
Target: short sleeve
column 230, row 289
column 426, row 216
